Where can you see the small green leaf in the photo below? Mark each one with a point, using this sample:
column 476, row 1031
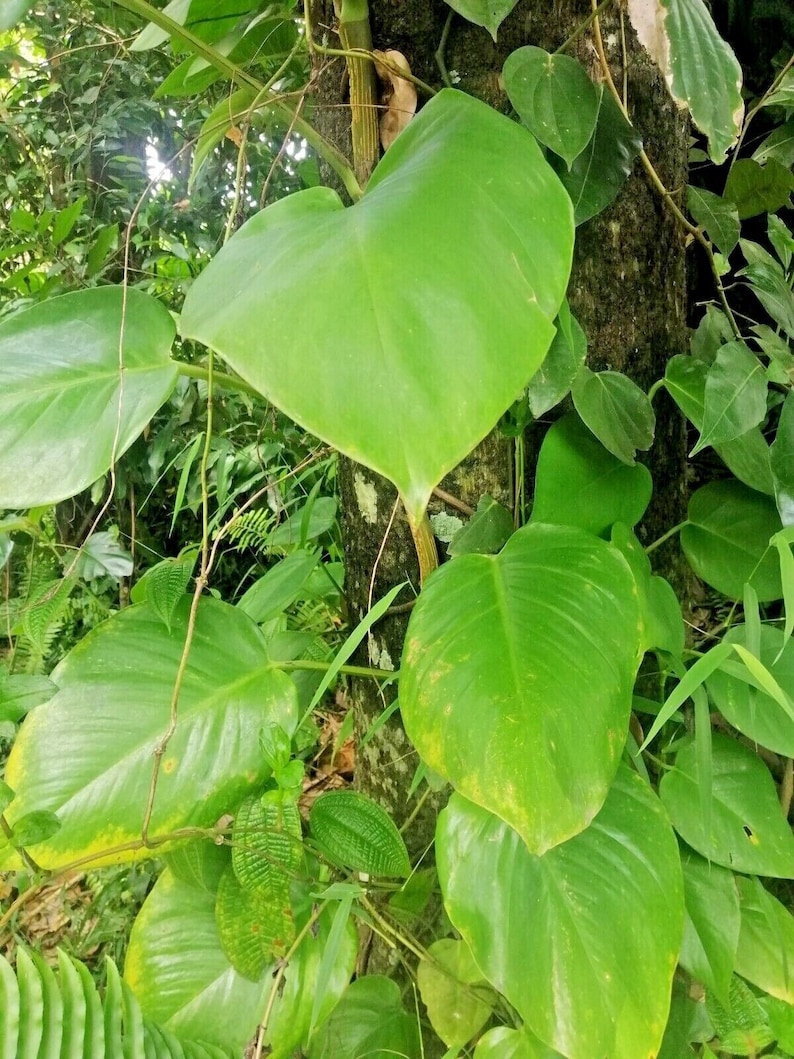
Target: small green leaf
column 448, row 986
column 778, row 145
column 755, row 188
column 279, row 587
column 766, row 941
column 748, row 831
column 718, row 216
column 486, row 532
column 741, row 1025
column 756, row 714
column 21, row 692
column 164, row 585
column 369, row 1020
column 488, row 13
column 616, row 410
column 554, row 97
column 711, row 924
column 579, row 483
column 552, row 381
column 726, row 540
column 781, row 239
column 783, row 96
column 34, row 827
column 102, row 556
column 769, row 285
column 597, row 174
column 734, row 396
column 354, row 831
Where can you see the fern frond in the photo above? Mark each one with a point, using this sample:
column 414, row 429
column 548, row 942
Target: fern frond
column 64, row 1015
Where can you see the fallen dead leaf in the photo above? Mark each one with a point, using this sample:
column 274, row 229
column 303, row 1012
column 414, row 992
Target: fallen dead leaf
column 399, row 95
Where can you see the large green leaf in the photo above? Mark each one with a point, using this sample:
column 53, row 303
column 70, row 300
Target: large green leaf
column 400, row 317
column 583, row 940
column 748, row 832
column 726, row 540
column 766, row 941
column 753, row 712
column 66, row 407
column 504, row 1043
column 554, row 97
column 579, row 483
column 699, row 67
column 711, row 925
column 600, row 171
column 111, row 710
column 179, row 974
column 517, row 674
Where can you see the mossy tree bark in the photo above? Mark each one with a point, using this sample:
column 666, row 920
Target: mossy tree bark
column 628, row 290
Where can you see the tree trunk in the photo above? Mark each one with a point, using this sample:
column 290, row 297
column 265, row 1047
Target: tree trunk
column 627, row 289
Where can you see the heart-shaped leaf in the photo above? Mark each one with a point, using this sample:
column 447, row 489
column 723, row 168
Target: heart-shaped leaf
column 748, row 830
column 554, row 97
column 111, row 710
column 517, row 674
column 66, row 407
column 616, row 410
column 579, row 483
column 400, row 316
column 726, row 540
column 583, row 940
column 488, row 13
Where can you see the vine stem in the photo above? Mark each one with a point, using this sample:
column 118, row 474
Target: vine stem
column 665, row 537
column 221, row 378
column 583, row 26
column 691, row 229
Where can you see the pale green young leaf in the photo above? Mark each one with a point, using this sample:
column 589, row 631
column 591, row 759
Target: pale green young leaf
column 554, row 97
column 711, row 924
column 448, row 984
column 765, row 954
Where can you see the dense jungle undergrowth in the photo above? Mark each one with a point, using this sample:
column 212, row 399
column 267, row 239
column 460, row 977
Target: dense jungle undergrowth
column 396, row 629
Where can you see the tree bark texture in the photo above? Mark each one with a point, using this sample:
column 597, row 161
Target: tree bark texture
column 628, row 291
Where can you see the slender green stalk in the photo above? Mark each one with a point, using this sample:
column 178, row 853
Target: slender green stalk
column 227, row 382
column 666, row 537
column 583, row 27
column 351, row 671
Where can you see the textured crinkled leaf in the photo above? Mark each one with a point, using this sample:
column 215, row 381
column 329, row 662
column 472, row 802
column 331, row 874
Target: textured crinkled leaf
column 579, row 483
column 596, row 175
column 582, row 941
column 748, row 831
column 554, row 97
column 400, row 344
column 164, row 585
column 726, row 540
column 766, row 941
column 61, row 389
column 179, row 973
column 699, row 67
column 756, row 714
column 528, row 656
column 266, row 842
column 357, row 833
column 198, row 863
column 711, row 924
column 111, row 710
column 488, row 13
column 616, row 410
column 254, row 926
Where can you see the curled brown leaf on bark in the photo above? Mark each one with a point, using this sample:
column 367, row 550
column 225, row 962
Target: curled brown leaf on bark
column 399, row 96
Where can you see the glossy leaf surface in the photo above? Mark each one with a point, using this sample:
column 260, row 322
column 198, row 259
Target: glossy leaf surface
column 582, row 941
column 734, row 395
column 399, row 345
column 554, row 97
column 369, row 1021
column 60, row 380
column 748, row 832
column 488, row 13
column 616, row 410
column 504, row 1043
column 552, row 381
column 112, row 708
column 526, row 657
column 579, row 483
column 726, row 540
